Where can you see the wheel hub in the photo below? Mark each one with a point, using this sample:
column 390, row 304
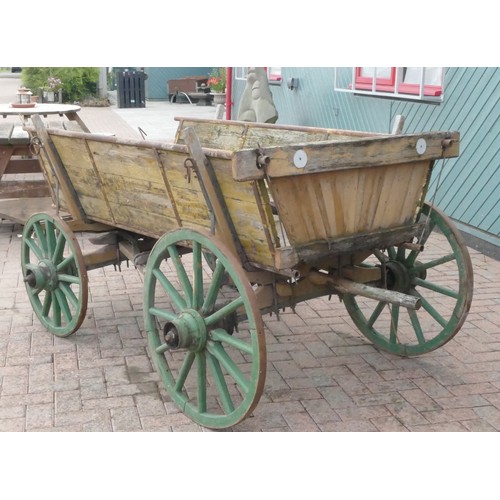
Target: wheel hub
column 398, row 277
column 187, row 331
column 43, row 277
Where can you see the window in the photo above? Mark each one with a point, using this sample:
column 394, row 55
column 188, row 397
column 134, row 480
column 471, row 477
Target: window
column 408, row 83
column 428, row 78
column 273, row 74
column 378, row 78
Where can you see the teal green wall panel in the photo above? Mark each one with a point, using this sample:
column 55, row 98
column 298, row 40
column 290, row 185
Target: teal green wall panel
column 156, row 84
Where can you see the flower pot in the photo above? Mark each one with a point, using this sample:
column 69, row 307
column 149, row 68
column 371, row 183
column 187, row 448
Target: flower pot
column 219, row 97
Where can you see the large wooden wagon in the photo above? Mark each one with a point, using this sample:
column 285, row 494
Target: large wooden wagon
column 234, row 220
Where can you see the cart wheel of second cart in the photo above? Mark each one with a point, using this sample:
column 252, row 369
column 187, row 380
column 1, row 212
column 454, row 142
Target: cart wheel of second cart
column 206, row 338
column 440, row 275
column 54, row 274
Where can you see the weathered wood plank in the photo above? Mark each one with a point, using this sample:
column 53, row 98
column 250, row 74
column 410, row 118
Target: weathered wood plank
column 347, row 202
column 54, row 163
column 24, row 189
column 340, row 155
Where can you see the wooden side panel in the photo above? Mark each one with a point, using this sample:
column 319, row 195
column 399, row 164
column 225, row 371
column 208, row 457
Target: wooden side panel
column 329, row 205
column 134, row 188
column 241, row 201
column 214, row 134
column 78, row 162
column 56, row 194
column 186, row 192
column 234, row 135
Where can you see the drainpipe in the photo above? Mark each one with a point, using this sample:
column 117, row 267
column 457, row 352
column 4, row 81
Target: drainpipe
column 229, row 92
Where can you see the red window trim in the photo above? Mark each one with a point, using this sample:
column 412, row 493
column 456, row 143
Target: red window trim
column 389, row 85
column 414, row 88
column 382, row 84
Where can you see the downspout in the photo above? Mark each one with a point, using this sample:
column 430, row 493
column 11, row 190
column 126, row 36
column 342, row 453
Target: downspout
column 229, row 92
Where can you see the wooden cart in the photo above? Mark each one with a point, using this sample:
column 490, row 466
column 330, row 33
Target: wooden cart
column 235, row 220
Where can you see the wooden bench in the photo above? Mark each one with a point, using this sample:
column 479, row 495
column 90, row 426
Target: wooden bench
column 16, row 157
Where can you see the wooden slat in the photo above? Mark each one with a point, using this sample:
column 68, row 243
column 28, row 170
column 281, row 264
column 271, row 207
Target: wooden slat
column 234, row 135
column 334, row 204
column 341, row 155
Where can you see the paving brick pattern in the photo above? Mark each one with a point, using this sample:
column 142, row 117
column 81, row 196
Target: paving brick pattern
column 323, row 375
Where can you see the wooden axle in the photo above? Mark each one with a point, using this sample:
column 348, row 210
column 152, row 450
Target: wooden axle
column 341, row 285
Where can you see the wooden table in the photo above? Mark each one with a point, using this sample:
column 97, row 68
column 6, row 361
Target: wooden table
column 68, row 110
column 20, row 198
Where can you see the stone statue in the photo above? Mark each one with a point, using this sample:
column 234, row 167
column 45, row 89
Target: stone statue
column 256, row 104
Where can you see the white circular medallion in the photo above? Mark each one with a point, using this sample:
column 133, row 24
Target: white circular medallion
column 300, row 158
column 421, row 146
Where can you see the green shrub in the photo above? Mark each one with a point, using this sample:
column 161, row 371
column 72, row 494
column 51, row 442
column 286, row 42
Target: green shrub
column 77, row 83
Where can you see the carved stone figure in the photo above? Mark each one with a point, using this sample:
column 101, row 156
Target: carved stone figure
column 256, row 104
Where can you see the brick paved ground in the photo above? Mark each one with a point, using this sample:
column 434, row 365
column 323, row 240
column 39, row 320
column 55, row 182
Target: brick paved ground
column 322, row 374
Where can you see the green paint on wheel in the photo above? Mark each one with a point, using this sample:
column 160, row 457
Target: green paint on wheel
column 205, row 335
column 440, row 275
column 54, row 274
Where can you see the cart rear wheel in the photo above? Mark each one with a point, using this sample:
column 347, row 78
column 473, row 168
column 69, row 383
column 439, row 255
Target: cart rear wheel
column 440, row 275
column 207, row 338
column 54, row 274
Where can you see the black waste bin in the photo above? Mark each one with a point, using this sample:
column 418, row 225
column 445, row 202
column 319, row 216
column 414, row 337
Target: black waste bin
column 131, row 92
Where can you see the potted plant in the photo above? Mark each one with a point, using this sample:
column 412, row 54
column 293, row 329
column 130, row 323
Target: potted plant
column 54, row 86
column 217, row 84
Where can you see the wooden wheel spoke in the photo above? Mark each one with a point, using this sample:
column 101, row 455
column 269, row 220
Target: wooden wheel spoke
column 416, row 326
column 56, row 311
column 214, row 287
column 47, row 303
column 391, row 251
column 393, row 336
column 59, row 248
column 50, row 234
column 40, row 233
column 69, row 294
column 224, row 311
column 220, row 383
column 65, row 263
column 220, row 335
column 184, row 371
column 201, row 381
column 216, row 350
column 63, row 305
column 376, row 313
column 443, row 290
column 434, row 263
column 435, row 314
column 162, row 313
column 171, row 291
column 197, row 276
column 181, row 274
column 68, row 278
column 35, row 248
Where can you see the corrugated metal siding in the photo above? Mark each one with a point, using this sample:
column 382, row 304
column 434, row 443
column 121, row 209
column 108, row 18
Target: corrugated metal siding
column 156, row 84
column 469, row 187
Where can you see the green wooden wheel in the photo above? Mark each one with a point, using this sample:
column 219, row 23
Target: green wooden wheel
column 54, row 274
column 440, row 275
column 206, row 337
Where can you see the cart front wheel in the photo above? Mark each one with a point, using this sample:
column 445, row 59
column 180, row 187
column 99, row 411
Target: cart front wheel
column 206, row 337
column 54, row 274
column 440, row 275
